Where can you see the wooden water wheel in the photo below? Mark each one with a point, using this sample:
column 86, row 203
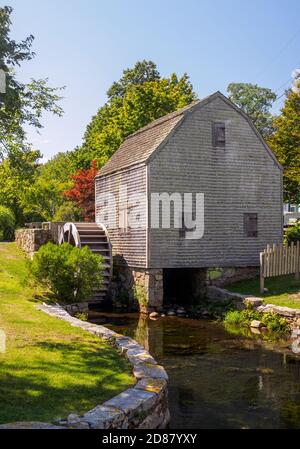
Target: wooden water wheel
column 94, row 236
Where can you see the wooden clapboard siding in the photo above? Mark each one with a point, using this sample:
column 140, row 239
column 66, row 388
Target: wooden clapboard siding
column 131, row 245
column 175, row 154
column 242, row 178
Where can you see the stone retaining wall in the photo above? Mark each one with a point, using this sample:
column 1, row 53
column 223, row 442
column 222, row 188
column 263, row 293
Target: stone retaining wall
column 286, row 312
column 55, row 228
column 30, row 240
column 144, row 406
column 241, row 301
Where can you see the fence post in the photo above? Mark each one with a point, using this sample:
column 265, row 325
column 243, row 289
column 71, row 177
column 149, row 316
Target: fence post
column 297, row 261
column 262, row 280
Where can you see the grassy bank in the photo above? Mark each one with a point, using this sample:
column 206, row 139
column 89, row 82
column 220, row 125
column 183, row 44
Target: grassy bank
column 49, row 368
column 282, row 290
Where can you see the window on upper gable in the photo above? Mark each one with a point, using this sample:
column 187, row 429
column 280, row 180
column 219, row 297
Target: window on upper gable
column 218, row 134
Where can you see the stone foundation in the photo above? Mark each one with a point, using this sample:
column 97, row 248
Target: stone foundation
column 222, row 276
column 143, row 289
column 138, row 288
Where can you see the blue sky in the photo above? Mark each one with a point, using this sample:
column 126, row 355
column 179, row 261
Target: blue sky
column 85, row 45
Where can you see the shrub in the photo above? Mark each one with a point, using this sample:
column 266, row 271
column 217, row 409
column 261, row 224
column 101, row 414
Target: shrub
column 82, row 316
column 275, row 323
column 140, row 294
column 70, row 273
column 292, row 234
column 7, row 223
column 241, row 318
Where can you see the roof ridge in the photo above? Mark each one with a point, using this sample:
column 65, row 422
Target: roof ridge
column 164, row 118
column 140, row 145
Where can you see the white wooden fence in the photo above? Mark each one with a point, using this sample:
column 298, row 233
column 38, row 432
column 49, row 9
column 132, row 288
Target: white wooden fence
column 278, row 260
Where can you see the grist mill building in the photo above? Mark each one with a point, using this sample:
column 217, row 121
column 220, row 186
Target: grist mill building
column 208, row 156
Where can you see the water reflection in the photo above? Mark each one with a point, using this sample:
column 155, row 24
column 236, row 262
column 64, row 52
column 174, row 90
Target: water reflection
column 218, row 379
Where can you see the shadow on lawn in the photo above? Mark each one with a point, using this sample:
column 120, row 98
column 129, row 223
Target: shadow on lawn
column 75, row 381
column 47, row 297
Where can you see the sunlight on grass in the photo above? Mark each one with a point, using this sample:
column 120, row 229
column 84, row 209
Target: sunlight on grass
column 49, row 368
column 282, row 290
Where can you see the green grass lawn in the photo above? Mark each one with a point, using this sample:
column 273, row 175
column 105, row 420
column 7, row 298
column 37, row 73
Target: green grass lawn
column 282, row 290
column 49, row 368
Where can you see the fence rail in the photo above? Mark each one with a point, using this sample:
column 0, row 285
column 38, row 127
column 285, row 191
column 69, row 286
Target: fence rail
column 278, row 260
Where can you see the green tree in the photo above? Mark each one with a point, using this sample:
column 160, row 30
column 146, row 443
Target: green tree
column 34, row 192
column 142, row 72
column 285, row 142
column 140, row 97
column 17, row 174
column 43, row 198
column 68, row 211
column 7, row 223
column 21, row 104
column 256, row 101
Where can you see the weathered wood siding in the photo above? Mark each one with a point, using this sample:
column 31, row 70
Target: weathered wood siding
column 243, row 178
column 130, row 247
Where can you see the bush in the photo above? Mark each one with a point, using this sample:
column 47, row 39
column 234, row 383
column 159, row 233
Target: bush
column 292, row 234
column 241, row 318
column 7, row 223
column 70, row 273
column 82, row 316
column 273, row 322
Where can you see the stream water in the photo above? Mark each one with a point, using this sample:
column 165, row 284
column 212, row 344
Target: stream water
column 218, row 379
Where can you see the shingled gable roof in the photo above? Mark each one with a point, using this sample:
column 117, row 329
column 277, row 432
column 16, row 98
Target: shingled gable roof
column 139, row 146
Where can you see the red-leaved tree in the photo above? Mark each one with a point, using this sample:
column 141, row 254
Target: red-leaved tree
column 83, row 191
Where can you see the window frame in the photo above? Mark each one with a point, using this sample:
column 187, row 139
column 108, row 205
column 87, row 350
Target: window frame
column 250, row 231
column 217, row 143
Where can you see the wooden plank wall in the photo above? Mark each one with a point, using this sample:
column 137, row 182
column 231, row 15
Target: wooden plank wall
column 129, row 246
column 242, row 178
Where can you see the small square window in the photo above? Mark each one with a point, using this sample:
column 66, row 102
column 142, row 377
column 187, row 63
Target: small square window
column 218, row 134
column 250, row 225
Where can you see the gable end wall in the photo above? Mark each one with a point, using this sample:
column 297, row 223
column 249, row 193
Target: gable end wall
column 243, row 178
